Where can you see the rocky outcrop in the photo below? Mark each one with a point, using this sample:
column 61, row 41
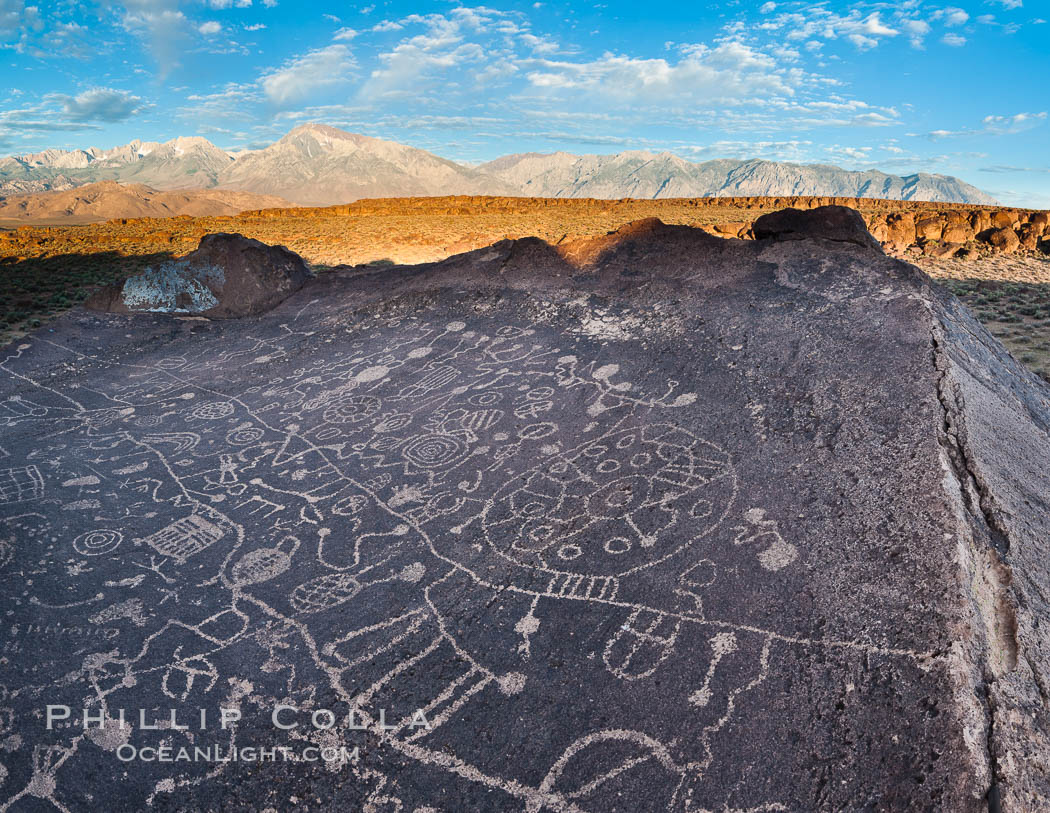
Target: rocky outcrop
column 947, row 231
column 652, row 521
column 228, row 276
column 898, row 225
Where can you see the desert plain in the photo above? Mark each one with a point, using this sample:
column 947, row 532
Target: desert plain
column 995, row 259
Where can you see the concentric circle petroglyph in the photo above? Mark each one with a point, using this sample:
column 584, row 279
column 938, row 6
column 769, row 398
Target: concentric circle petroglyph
column 96, row 543
column 245, row 435
column 433, row 450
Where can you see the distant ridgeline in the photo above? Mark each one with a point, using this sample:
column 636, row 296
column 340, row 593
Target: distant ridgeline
column 317, row 165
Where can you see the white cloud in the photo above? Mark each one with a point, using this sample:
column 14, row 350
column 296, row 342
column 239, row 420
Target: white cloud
column 768, row 8
column 874, row 26
column 387, row 25
column 917, row 30
column 344, row 35
column 1004, row 125
column 231, row 103
column 952, row 16
column 99, row 104
column 816, row 21
column 792, row 150
column 954, row 40
column 862, row 42
column 210, row 28
column 729, row 72
column 1007, row 168
column 994, row 125
column 858, row 154
column 916, row 27
column 303, row 76
column 16, row 16
column 448, row 42
column 255, row 27
column 540, row 45
column 162, row 24
column 1011, row 4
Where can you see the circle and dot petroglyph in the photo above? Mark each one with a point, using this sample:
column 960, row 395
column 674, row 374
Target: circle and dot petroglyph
column 245, row 435
column 485, row 398
column 352, row 409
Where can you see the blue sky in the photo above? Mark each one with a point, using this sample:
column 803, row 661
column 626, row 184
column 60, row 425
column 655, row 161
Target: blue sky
column 958, row 88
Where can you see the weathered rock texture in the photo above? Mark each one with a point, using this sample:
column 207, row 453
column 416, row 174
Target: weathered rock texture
column 226, row 277
column 657, row 521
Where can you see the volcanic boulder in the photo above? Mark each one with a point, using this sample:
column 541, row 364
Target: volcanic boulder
column 227, row 276
column 837, row 223
column 958, row 232
column 895, row 229
column 929, row 228
column 653, row 522
column 1005, row 240
column 1004, row 219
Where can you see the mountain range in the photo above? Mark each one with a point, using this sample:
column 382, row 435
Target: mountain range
column 107, row 200
column 316, row 165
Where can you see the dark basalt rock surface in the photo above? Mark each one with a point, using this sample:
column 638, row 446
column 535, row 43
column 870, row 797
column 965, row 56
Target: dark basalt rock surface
column 837, row 223
column 227, row 276
column 654, row 522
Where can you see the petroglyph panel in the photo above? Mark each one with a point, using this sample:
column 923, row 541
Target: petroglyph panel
column 482, row 519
